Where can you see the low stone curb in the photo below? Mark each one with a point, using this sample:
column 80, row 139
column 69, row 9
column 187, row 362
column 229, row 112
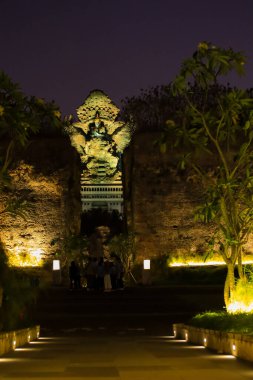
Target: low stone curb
column 13, row 339
column 235, row 344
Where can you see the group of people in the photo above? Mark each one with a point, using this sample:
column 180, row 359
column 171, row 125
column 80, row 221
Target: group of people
column 99, row 273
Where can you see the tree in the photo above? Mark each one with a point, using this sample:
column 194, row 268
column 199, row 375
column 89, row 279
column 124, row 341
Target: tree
column 20, row 118
column 150, row 109
column 123, row 246
column 214, row 137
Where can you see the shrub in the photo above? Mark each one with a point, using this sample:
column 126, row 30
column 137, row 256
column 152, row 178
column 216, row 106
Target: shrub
column 19, row 295
column 222, row 321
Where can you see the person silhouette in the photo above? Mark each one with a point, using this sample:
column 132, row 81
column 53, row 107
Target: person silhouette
column 74, row 275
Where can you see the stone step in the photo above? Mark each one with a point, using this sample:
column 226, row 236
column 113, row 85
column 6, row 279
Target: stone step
column 61, row 308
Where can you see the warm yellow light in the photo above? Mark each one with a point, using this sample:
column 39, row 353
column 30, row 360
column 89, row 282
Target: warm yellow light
column 196, row 263
column 201, row 263
column 24, row 256
column 24, row 349
column 234, row 347
column 186, row 336
column 146, row 264
column 14, row 343
column 205, row 341
column 36, row 254
column 240, row 307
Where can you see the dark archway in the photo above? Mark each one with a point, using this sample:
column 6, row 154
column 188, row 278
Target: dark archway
column 99, row 217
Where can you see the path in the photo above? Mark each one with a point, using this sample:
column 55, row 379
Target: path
column 136, row 357
column 121, row 335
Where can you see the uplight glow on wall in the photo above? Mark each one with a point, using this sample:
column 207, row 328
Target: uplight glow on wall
column 14, row 343
column 26, row 256
column 201, row 263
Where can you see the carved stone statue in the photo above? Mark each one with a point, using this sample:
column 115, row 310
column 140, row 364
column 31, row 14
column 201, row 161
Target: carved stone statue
column 98, row 137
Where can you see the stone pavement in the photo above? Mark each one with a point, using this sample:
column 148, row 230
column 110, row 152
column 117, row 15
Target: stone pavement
column 132, row 356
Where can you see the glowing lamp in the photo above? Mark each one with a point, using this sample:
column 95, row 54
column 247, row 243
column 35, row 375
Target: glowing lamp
column 56, row 264
column 56, row 272
column 146, row 264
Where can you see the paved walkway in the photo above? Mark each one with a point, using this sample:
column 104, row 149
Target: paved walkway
column 135, row 357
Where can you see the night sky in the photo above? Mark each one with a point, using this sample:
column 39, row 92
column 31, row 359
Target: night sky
column 62, row 49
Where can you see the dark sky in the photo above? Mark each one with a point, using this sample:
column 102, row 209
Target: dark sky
column 62, row 49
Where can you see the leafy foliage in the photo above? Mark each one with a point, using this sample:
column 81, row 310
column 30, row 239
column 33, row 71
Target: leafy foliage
column 19, row 295
column 216, row 143
column 72, row 247
column 222, row 321
column 123, row 246
column 21, row 116
column 151, row 109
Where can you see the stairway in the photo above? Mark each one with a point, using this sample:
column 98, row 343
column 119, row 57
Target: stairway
column 148, row 310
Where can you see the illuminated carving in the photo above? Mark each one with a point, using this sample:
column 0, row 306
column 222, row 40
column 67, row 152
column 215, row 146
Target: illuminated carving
column 99, row 138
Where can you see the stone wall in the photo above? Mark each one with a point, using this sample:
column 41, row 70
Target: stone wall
column 236, row 344
column 160, row 204
column 46, row 176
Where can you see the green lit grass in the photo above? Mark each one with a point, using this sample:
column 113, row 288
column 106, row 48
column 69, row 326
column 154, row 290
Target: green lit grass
column 222, row 321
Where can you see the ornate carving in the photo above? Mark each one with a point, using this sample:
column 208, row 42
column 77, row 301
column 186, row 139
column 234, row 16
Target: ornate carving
column 98, row 137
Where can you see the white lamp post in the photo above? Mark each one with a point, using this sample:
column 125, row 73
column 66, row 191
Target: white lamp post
column 56, row 272
column 146, row 272
column 146, row 264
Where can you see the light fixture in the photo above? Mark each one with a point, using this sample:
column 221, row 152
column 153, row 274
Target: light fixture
column 56, row 264
column 146, row 264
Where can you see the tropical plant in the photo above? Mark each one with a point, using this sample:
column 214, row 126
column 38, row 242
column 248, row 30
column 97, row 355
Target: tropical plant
column 18, row 295
column 222, row 321
column 72, row 247
column 151, row 108
column 243, row 294
column 123, row 246
column 214, row 140
column 21, row 116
